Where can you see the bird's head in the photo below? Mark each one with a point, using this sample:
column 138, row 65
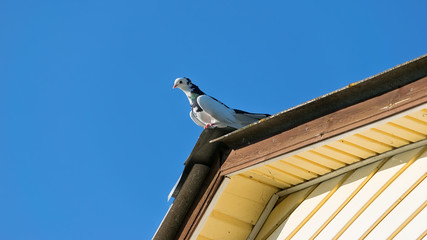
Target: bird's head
column 183, row 83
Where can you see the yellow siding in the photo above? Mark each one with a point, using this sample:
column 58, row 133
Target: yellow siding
column 238, row 209
column 258, row 192
column 283, row 210
column 278, row 175
column 235, row 206
column 337, row 154
column 353, row 149
column 222, row 226
column 384, row 137
column 420, row 115
column 364, row 203
column 301, row 172
column 368, row 143
column 416, row 125
column 411, row 227
column 316, row 156
column 403, row 132
column 265, row 179
column 310, row 166
column 380, row 200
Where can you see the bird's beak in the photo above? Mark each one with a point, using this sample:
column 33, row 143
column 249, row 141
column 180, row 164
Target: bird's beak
column 174, row 86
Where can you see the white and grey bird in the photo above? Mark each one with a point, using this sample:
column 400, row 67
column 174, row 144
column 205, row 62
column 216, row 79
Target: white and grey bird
column 207, row 112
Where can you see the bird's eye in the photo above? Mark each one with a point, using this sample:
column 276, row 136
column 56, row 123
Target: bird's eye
column 180, row 81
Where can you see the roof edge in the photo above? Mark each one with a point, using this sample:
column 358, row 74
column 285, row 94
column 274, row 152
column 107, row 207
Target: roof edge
column 198, row 166
column 370, row 87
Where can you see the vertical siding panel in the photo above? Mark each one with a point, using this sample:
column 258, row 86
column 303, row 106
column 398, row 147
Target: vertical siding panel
column 326, row 213
column 413, row 226
column 384, row 198
column 321, row 203
column 307, row 206
column 402, row 211
column 387, row 171
column 356, row 183
column 371, row 202
column 423, row 235
column 282, row 211
column 392, row 207
column 369, row 211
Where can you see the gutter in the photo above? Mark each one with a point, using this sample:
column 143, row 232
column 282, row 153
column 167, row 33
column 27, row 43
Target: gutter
column 178, row 210
column 194, row 177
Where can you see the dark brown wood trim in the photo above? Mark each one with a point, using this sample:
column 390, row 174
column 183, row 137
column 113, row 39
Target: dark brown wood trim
column 328, row 126
column 200, row 204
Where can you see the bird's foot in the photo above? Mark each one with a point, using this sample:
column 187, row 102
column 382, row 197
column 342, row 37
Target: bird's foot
column 209, row 125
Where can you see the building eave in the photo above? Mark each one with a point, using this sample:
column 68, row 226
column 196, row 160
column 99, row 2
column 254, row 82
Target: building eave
column 395, row 90
column 352, row 94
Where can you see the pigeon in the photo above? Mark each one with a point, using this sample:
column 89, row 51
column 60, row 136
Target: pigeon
column 208, row 112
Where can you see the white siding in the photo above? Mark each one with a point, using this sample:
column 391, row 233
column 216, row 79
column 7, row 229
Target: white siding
column 381, row 200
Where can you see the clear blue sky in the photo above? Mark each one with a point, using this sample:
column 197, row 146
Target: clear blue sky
column 92, row 136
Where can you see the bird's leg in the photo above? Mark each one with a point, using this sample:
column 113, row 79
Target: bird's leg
column 209, row 125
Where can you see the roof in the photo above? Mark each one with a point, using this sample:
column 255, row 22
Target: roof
column 354, row 93
column 357, row 123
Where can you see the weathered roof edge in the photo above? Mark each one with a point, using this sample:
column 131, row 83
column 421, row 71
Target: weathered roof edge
column 201, row 154
column 352, row 94
column 188, row 187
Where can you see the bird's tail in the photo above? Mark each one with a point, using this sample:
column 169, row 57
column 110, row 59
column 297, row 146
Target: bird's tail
column 246, row 118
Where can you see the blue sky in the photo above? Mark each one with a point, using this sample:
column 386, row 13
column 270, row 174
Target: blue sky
column 92, row 136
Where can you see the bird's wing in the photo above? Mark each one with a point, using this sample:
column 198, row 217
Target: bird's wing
column 217, row 110
column 197, row 121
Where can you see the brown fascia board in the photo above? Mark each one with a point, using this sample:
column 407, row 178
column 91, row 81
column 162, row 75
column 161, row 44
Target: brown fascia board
column 386, row 81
